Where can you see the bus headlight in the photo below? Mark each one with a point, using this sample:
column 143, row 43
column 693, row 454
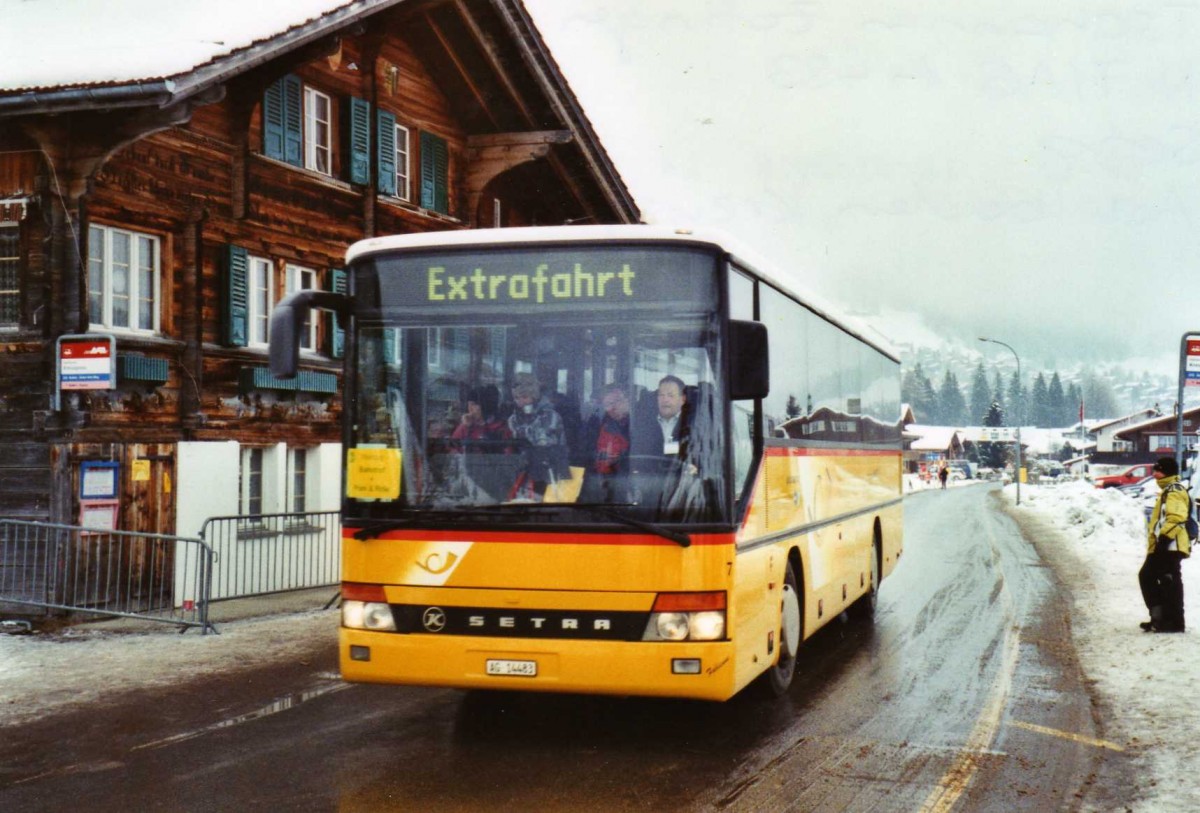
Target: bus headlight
column 707, row 626
column 672, row 626
column 368, row 615
column 687, row 617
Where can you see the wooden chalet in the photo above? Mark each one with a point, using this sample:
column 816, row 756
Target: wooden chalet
column 172, row 210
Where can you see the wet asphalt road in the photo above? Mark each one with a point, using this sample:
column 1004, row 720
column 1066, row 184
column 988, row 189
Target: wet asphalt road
column 964, row 695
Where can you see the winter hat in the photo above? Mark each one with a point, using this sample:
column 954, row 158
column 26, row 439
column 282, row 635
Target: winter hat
column 1167, row 466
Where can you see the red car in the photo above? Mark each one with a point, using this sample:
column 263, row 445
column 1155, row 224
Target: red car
column 1133, row 474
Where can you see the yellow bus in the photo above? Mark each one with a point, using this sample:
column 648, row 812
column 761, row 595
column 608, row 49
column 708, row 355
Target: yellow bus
column 606, row 459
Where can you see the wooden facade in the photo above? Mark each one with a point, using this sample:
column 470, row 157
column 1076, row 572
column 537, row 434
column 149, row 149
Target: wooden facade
column 173, row 219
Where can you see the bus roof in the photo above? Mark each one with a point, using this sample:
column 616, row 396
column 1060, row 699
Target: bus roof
column 528, row 235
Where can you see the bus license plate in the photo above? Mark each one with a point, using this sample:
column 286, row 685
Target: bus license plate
column 517, row 668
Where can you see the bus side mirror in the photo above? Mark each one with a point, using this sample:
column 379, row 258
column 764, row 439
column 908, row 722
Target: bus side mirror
column 287, row 320
column 749, row 365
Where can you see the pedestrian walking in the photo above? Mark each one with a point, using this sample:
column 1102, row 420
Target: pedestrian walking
column 944, row 474
column 1167, row 546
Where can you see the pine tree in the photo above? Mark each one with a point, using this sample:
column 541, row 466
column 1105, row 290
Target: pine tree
column 1074, row 399
column 1099, row 400
column 998, row 391
column 993, row 454
column 981, row 396
column 793, row 407
column 1056, row 403
column 917, row 391
column 953, row 405
column 1039, row 414
column 1018, row 412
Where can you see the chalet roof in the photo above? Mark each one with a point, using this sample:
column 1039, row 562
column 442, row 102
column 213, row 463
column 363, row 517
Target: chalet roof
column 65, row 56
column 1166, row 421
column 130, row 42
column 1140, row 415
column 933, row 438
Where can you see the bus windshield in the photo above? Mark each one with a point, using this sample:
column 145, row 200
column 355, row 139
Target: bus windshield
column 582, row 377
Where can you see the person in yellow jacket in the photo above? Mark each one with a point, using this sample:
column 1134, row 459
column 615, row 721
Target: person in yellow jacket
column 1166, row 546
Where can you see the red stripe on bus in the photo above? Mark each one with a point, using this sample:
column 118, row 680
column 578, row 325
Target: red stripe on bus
column 542, row 537
column 793, row 451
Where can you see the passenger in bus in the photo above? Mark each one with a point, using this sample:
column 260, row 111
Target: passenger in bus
column 480, row 429
column 604, row 452
column 538, row 432
column 665, row 436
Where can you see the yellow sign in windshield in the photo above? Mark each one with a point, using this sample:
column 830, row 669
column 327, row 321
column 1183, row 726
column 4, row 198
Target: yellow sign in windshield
column 373, row 473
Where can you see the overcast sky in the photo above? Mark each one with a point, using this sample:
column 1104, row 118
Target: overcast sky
column 1020, row 169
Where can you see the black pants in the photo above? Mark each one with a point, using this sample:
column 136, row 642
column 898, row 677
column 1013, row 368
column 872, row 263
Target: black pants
column 1162, row 588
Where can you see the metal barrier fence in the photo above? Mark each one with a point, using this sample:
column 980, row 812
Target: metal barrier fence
column 272, row 553
column 115, row 573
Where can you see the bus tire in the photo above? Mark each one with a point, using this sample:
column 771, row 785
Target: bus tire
column 864, row 608
column 775, row 681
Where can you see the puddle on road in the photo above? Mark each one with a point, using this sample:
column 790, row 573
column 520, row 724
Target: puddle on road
column 282, row 704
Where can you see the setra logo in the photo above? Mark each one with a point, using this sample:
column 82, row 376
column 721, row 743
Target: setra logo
column 434, row 619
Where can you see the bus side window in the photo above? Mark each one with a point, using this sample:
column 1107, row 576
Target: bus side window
column 743, row 445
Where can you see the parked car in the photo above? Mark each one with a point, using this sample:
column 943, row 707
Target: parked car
column 1131, row 476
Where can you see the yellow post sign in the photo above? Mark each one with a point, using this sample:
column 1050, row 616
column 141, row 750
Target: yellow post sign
column 373, row 473
column 141, row 470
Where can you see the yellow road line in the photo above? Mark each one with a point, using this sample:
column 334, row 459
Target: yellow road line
column 954, row 782
column 1067, row 735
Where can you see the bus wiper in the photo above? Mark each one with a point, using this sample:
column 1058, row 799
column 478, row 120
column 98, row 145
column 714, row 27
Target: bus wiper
column 606, row 509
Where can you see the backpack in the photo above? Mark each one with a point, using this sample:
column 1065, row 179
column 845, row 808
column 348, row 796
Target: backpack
column 1190, row 525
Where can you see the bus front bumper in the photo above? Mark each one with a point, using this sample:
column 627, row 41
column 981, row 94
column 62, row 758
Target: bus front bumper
column 701, row 670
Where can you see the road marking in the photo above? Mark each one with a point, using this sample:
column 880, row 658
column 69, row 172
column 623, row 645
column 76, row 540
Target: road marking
column 1067, row 735
column 954, row 782
column 280, row 705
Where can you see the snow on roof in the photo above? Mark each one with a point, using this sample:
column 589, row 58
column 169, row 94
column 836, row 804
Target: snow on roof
column 1133, row 427
column 931, row 438
column 71, row 43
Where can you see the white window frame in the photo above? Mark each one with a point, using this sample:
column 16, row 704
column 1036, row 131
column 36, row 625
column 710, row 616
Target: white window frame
column 298, row 481
column 15, row 260
column 300, row 278
column 318, row 132
column 403, row 165
column 246, row 477
column 261, row 293
column 103, row 254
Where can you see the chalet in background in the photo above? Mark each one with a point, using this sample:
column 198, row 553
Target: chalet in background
column 173, row 209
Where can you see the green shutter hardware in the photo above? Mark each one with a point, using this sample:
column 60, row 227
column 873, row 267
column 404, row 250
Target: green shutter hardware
column 360, row 140
column 387, row 153
column 260, row 378
column 140, row 368
column 435, row 166
column 235, row 306
column 283, row 121
column 337, row 334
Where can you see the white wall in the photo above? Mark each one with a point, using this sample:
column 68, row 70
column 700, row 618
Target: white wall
column 206, row 483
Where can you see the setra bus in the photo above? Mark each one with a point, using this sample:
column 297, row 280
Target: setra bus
column 599, row 459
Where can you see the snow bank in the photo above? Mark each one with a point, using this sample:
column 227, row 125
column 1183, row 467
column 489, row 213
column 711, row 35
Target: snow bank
column 1147, row 679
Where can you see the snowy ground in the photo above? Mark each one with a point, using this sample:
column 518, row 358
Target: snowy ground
column 1095, row 538
column 1147, row 680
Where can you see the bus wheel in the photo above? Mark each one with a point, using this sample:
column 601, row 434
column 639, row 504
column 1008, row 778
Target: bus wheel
column 776, row 680
column 864, row 608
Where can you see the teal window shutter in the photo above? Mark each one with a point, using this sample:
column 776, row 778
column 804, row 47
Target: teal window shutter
column 360, row 140
column 337, row 334
column 293, row 120
column 283, row 121
column 273, row 121
column 235, row 307
column 435, row 164
column 387, row 153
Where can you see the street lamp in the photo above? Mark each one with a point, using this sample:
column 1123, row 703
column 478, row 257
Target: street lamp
column 1018, row 358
